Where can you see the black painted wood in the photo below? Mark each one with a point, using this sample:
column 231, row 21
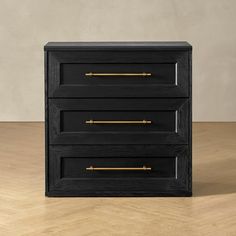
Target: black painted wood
column 165, row 98
column 137, row 46
column 74, row 84
column 119, row 184
column 75, row 74
column 169, row 121
column 46, row 121
column 76, row 167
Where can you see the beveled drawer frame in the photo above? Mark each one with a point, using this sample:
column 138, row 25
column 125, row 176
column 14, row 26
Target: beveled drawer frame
column 57, row 90
column 179, row 185
column 179, row 136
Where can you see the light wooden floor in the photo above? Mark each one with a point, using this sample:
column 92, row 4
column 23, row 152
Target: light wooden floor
column 25, row 211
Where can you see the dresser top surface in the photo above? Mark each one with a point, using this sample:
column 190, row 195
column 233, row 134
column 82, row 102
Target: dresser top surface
column 147, row 45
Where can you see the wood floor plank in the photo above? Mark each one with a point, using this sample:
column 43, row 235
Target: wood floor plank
column 24, row 210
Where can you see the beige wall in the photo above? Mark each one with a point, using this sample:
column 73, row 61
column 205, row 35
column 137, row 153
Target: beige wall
column 26, row 25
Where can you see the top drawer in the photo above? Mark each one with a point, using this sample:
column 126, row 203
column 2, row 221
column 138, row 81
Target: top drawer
column 118, row 73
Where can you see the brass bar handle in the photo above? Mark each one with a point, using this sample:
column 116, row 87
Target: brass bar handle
column 143, row 74
column 143, row 168
column 118, row 121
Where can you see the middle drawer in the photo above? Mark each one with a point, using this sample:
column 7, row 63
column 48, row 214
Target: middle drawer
column 118, row 121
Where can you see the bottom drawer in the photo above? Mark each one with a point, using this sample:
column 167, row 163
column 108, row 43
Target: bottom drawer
column 119, row 170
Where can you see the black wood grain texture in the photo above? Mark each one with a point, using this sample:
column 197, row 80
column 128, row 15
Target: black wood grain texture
column 164, row 82
column 165, row 98
column 190, row 123
column 169, row 121
column 46, row 122
column 119, row 184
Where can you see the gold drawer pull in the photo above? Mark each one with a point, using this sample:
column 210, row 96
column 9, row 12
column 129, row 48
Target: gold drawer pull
column 143, row 74
column 144, row 168
column 118, row 122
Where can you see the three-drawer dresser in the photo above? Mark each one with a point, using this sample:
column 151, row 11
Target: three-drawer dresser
column 118, row 119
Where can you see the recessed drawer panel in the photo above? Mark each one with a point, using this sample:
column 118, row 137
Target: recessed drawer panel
column 125, row 167
column 115, row 74
column 118, row 74
column 118, row 121
column 126, row 170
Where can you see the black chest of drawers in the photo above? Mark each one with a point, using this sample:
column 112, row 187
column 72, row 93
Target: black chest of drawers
column 118, row 119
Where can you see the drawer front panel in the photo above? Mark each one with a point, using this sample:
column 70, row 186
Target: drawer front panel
column 115, row 74
column 115, row 121
column 125, row 167
column 80, row 121
column 139, row 169
column 118, row 74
